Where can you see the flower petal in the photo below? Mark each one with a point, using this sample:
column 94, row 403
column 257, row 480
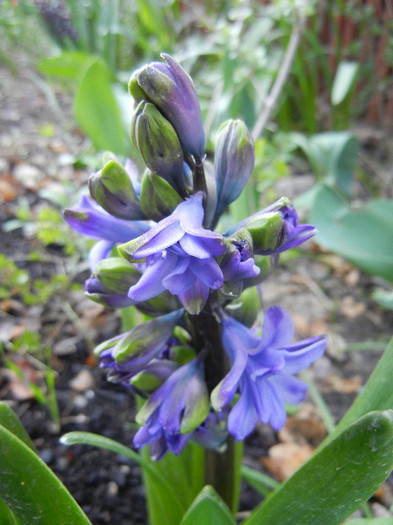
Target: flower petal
column 208, row 271
column 99, row 251
column 90, row 219
column 150, row 284
column 278, row 329
column 243, row 416
column 300, row 356
column 195, row 298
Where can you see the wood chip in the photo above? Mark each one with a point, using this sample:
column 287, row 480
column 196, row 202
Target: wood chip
column 285, row 458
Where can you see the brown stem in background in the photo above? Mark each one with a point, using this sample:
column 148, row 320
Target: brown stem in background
column 271, row 99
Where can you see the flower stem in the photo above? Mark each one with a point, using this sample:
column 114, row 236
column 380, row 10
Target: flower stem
column 223, row 472
column 222, row 468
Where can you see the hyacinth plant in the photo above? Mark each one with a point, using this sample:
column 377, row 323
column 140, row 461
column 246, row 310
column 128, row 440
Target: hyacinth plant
column 203, row 366
column 204, row 362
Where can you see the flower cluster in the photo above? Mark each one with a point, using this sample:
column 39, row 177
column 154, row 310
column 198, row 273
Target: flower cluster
column 199, row 360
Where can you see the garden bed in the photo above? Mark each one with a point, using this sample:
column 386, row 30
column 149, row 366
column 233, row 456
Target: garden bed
column 322, row 292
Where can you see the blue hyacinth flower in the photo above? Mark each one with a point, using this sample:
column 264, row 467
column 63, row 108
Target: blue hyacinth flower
column 174, row 411
column 263, row 371
column 90, row 219
column 178, row 255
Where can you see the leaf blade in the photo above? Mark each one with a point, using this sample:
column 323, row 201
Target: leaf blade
column 208, row 508
column 337, row 479
column 30, row 489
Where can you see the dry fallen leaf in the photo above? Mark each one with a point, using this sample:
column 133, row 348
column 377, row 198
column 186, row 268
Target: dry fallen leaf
column 8, row 188
column 17, row 387
column 351, row 308
column 82, row 381
column 305, row 426
column 344, row 385
column 285, row 458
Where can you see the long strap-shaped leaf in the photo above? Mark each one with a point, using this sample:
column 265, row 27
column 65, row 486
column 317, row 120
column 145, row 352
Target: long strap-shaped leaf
column 208, row 509
column 376, row 395
column 30, row 489
column 337, row 479
column 168, row 503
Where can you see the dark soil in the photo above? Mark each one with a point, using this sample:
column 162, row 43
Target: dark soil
column 324, row 294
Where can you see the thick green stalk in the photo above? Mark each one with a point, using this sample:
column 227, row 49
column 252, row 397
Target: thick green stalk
column 222, row 468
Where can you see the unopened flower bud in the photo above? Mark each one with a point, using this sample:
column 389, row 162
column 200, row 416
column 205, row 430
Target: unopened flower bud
column 152, row 377
column 158, row 199
column 275, row 229
column 181, row 403
column 233, row 162
column 158, row 144
column 112, row 188
column 168, row 87
column 245, row 309
column 132, row 351
column 110, row 282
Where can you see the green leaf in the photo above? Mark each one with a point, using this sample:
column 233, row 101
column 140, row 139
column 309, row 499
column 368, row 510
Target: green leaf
column 10, row 421
column 30, row 489
column 343, row 81
column 168, row 506
column 337, row 479
column 332, row 156
column 97, row 112
column 376, row 395
column 369, row 521
column 260, row 482
column 209, row 509
column 7, row 517
column 384, row 298
column 68, row 65
column 364, row 237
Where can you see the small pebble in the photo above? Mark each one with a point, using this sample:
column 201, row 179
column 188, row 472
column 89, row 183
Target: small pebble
column 112, row 489
column 82, row 381
column 46, row 455
column 80, row 402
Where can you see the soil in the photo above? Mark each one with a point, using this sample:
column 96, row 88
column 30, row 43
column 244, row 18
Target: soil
column 322, row 292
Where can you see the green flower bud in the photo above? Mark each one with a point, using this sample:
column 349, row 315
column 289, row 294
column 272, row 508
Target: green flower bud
column 162, row 304
column 265, row 231
column 116, row 274
column 110, row 282
column 148, row 380
column 245, row 309
column 113, row 190
column 158, row 199
column 158, row 144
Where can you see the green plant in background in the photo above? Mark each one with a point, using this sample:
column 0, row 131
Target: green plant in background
column 361, row 233
column 38, row 356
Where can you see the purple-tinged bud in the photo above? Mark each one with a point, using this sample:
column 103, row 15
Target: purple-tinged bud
column 212, row 433
column 168, row 87
column 238, row 264
column 112, row 188
column 274, row 229
column 158, row 144
column 153, row 375
column 181, row 403
column 233, row 162
column 132, row 351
